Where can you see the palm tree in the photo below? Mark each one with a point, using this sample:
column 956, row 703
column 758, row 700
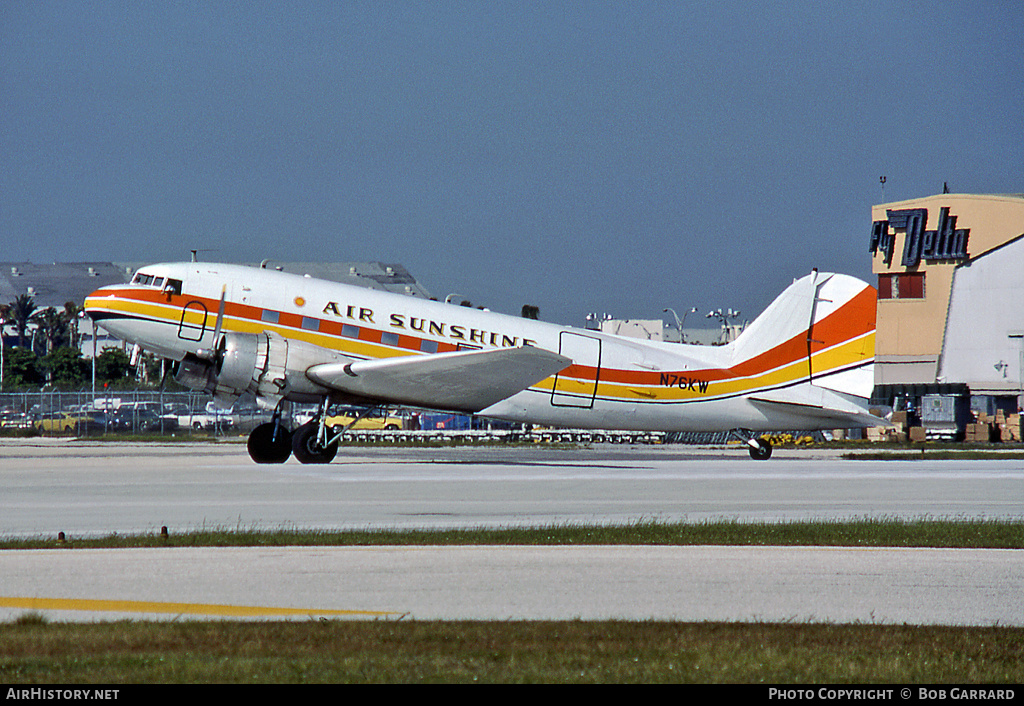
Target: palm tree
column 22, row 310
column 71, row 311
column 5, row 318
column 52, row 324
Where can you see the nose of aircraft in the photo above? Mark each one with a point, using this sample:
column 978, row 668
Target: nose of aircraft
column 106, row 308
column 95, row 302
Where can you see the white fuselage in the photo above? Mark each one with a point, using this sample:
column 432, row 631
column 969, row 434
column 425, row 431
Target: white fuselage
column 614, row 382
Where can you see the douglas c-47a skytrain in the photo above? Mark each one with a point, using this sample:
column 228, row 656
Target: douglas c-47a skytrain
column 804, row 364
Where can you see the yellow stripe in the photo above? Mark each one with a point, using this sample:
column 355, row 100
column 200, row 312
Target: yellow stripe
column 856, row 350
column 194, row 317
column 236, row 611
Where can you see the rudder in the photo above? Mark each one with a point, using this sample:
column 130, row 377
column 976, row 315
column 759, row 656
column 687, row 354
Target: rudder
column 819, row 330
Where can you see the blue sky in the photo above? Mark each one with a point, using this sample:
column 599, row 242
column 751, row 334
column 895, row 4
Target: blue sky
column 609, row 157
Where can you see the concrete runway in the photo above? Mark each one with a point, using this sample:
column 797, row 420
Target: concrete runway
column 84, row 488
column 98, row 489
column 893, row 586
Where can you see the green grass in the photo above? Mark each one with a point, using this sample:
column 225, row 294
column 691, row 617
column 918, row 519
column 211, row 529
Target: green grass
column 938, row 454
column 505, row 652
column 925, row 532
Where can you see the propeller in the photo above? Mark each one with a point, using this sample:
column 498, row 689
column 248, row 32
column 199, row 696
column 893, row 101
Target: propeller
column 215, row 354
column 220, row 314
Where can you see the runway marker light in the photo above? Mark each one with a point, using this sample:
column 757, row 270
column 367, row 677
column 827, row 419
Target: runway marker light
column 60, row 537
column 163, row 532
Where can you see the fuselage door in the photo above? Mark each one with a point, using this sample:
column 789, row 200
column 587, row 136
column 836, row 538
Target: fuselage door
column 576, row 386
column 193, row 321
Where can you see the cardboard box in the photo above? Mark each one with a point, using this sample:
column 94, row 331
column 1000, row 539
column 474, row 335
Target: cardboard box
column 878, row 433
column 899, row 419
column 917, row 433
column 1011, row 430
column 980, row 431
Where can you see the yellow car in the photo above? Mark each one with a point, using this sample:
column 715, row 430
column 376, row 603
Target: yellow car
column 65, row 423
column 375, row 420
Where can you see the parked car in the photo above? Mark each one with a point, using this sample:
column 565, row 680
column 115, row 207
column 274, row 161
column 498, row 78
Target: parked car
column 212, row 418
column 15, row 420
column 140, row 420
column 81, row 423
column 374, row 420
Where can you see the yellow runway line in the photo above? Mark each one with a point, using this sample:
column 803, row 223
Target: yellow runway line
column 236, row 611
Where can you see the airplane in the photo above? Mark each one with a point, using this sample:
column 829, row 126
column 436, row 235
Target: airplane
column 806, row 363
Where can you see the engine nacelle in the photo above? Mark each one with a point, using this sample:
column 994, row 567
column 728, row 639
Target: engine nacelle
column 194, row 373
column 266, row 364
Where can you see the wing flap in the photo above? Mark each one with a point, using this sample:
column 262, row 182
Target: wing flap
column 466, row 381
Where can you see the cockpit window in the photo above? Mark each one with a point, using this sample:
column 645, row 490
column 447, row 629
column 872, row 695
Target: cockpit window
column 148, row 280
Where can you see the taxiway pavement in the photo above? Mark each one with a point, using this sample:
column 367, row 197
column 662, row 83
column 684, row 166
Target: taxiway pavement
column 89, row 488
column 99, row 489
column 889, row 586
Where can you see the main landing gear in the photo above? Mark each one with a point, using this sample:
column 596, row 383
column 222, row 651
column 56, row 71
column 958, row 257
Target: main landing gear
column 270, row 442
column 313, row 442
column 273, row 443
column 760, row 448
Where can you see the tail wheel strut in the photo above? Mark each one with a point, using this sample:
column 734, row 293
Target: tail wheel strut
column 760, row 448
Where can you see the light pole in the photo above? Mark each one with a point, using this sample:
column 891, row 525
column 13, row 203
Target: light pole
column 3, row 324
column 83, row 316
column 723, row 317
column 680, row 324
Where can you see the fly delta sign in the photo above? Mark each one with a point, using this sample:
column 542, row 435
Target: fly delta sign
column 946, row 242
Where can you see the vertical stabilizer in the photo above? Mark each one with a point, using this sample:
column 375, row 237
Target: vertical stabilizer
column 821, row 329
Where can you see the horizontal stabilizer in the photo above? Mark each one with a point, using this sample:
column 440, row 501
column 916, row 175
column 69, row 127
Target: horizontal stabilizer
column 831, row 409
column 466, row 381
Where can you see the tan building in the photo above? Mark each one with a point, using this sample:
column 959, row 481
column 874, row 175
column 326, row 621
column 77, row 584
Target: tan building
column 950, row 316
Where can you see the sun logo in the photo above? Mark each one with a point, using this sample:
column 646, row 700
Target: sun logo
column 299, row 301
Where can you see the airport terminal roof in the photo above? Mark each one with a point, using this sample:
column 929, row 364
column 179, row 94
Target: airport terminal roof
column 57, row 283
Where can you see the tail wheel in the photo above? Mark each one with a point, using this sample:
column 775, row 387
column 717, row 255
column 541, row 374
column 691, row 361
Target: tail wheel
column 760, row 449
column 306, row 447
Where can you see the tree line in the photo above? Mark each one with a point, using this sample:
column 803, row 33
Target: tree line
column 47, row 350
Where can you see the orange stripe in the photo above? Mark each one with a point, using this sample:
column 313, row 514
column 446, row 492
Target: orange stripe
column 853, row 319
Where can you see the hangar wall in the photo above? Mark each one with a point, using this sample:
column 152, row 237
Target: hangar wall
column 950, row 314
column 984, row 342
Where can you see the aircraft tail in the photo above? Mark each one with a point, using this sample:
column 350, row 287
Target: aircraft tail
column 820, row 330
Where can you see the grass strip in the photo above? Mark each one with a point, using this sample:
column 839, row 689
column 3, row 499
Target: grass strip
column 936, row 455
column 33, row 651
column 869, row 532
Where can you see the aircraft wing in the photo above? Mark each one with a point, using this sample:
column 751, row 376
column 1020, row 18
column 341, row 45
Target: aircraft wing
column 466, row 381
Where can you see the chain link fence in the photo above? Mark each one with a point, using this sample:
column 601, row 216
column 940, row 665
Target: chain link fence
column 85, row 413
column 153, row 412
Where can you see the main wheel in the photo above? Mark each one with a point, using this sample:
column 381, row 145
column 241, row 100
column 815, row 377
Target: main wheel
column 306, row 448
column 270, row 443
column 763, row 450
